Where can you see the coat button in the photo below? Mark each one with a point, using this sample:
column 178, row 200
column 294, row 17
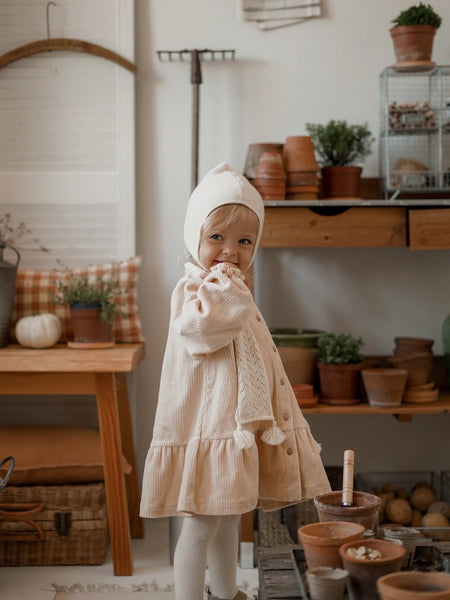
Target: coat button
column 286, row 416
column 258, row 318
column 274, row 348
column 289, row 451
column 282, row 381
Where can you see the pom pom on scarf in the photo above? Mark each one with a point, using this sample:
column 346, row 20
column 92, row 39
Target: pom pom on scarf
column 244, row 439
column 273, row 436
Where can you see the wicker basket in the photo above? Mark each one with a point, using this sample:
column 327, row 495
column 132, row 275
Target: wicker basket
column 53, row 525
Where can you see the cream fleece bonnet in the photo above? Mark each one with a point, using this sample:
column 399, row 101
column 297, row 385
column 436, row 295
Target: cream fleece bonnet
column 221, row 185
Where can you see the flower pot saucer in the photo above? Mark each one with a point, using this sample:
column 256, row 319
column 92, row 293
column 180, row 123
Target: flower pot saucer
column 414, row 65
column 90, row 345
column 340, row 401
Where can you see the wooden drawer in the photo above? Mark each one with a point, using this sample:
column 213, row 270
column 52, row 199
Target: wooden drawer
column 429, row 229
column 288, row 227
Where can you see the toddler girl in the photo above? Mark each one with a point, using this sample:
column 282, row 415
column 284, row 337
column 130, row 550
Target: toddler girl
column 228, row 435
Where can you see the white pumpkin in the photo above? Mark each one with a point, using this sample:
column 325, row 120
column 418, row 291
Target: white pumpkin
column 38, row 331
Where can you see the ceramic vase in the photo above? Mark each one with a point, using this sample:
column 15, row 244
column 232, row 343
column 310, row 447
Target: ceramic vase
column 364, row 510
column 363, row 572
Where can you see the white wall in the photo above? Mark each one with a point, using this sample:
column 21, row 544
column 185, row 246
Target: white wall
column 326, row 68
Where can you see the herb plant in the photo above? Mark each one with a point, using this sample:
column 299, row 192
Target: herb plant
column 10, row 232
column 338, row 144
column 339, row 349
column 420, row 14
column 103, row 290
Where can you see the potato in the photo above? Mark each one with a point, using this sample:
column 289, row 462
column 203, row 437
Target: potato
column 399, row 511
column 440, row 507
column 388, row 487
column 416, row 518
column 421, row 498
column 423, row 484
column 434, row 520
column 382, row 510
column 402, row 493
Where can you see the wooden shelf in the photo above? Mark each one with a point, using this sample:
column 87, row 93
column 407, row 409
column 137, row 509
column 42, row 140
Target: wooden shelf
column 404, row 412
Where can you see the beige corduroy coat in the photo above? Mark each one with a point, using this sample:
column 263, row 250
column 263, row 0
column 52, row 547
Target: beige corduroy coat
column 193, row 464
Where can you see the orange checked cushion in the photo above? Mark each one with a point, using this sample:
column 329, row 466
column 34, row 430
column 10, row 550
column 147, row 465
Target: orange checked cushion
column 34, row 289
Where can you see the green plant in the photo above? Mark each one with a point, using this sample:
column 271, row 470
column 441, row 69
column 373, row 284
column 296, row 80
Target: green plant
column 339, row 349
column 420, row 14
column 103, row 290
column 338, row 144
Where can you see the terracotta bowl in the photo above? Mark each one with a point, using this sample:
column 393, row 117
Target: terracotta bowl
column 414, row 585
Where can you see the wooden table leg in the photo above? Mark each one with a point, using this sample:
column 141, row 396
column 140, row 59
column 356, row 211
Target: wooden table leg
column 116, row 500
column 131, row 480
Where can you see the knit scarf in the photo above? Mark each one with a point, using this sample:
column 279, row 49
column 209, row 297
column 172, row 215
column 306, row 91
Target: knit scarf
column 254, row 400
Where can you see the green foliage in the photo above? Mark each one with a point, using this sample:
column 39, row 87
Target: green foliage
column 104, row 290
column 421, row 14
column 338, row 144
column 339, row 349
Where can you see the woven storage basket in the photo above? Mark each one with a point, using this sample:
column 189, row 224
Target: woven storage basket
column 53, row 525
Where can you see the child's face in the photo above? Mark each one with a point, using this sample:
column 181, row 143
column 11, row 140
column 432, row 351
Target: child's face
column 232, row 243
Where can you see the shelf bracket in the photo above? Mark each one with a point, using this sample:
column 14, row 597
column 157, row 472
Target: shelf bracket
column 404, row 418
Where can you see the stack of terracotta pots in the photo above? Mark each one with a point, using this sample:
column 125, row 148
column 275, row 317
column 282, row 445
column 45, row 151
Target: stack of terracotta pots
column 302, row 182
column 254, row 153
column 270, row 176
column 416, row 357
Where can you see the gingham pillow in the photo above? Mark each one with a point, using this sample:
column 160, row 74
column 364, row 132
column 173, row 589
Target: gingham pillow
column 35, row 287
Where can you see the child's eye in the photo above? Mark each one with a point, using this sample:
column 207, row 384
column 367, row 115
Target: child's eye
column 216, row 236
column 245, row 241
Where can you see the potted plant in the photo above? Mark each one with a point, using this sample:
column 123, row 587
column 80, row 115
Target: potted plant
column 340, row 362
column 413, row 35
column 339, row 146
column 10, row 232
column 94, row 302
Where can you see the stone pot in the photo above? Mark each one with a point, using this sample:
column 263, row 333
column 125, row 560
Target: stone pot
column 414, row 585
column 364, row 510
column 413, row 44
column 341, row 182
column 363, row 572
column 384, row 387
column 325, row 583
column 321, row 541
column 340, row 384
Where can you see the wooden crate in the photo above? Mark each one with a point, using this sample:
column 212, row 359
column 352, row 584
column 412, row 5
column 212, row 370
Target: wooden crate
column 429, row 229
column 356, row 227
column 277, row 579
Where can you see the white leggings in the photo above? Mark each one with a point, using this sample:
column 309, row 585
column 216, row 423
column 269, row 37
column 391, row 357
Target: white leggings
column 206, row 540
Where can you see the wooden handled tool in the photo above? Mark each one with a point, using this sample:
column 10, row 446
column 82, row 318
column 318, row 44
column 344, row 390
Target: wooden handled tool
column 347, row 479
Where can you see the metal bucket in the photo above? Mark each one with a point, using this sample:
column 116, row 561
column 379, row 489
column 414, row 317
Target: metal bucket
column 8, row 275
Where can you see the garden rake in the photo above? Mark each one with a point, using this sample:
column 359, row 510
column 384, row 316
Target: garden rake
column 195, row 57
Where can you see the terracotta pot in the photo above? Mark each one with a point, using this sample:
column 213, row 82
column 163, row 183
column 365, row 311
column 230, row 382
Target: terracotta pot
column 413, row 44
column 411, row 345
column 341, row 182
column 414, row 585
column 418, row 367
column 88, row 327
column 340, row 384
column 298, row 154
column 270, row 166
column 326, row 583
column 321, row 541
column 297, row 349
column 254, row 154
column 384, row 387
column 363, row 573
column 302, row 178
column 364, row 510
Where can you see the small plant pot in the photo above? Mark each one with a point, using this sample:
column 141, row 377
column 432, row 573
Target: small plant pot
column 408, row 537
column 341, row 182
column 414, row 585
column 363, row 512
column 340, row 384
column 384, row 387
column 413, row 45
column 418, row 366
column 88, row 328
column 405, row 346
column 325, row 583
column 297, row 349
column 363, row 572
column 298, row 154
column 321, row 541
